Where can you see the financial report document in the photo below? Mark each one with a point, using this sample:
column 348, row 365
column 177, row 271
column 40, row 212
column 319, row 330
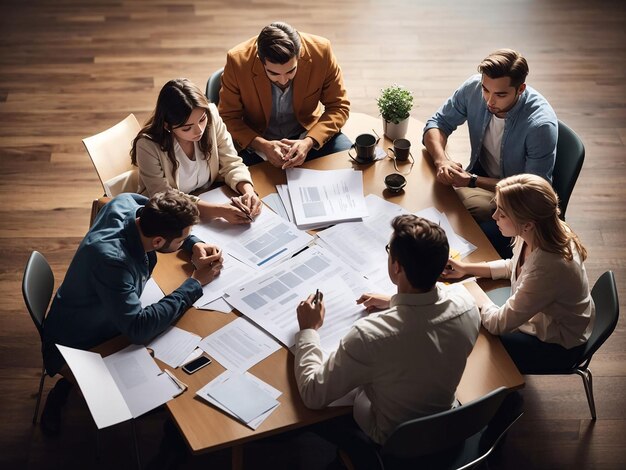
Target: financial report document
column 262, row 243
column 270, row 298
column 330, row 196
column 361, row 245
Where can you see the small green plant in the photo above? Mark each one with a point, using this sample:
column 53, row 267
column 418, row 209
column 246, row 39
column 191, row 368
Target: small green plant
column 395, row 103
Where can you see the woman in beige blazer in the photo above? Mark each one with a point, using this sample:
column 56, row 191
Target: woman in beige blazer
column 549, row 316
column 185, row 146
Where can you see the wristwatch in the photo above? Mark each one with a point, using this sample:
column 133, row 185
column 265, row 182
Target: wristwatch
column 472, row 181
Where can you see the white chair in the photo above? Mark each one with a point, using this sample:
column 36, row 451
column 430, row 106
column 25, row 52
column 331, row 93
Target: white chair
column 110, row 154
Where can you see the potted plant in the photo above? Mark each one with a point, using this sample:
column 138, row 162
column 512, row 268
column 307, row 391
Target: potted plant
column 395, row 103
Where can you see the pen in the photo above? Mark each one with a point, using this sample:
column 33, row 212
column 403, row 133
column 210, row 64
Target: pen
column 318, row 297
column 237, row 203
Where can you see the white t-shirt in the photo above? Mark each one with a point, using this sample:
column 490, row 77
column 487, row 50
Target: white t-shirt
column 492, row 144
column 192, row 174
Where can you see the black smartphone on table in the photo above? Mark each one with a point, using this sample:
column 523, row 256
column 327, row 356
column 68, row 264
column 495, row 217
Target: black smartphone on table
column 196, row 364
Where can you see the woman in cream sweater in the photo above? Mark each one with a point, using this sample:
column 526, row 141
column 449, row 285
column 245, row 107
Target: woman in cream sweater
column 185, row 146
column 549, row 316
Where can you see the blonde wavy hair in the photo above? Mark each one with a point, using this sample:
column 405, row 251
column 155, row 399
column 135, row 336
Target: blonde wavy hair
column 529, row 198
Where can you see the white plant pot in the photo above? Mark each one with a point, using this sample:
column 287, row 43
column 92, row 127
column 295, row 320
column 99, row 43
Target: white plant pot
column 395, row 131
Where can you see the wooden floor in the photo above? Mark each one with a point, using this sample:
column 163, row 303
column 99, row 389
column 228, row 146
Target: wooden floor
column 71, row 68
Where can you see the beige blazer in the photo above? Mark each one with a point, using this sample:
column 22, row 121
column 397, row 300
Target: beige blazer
column 156, row 172
column 246, row 93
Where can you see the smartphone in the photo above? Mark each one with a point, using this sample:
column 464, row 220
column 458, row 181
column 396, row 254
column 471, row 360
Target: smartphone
column 196, row 364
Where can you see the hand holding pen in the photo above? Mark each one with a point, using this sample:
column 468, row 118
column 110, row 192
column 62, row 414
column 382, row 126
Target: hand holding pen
column 311, row 311
column 249, row 204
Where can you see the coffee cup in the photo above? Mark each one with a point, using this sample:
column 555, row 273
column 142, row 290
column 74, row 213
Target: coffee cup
column 395, row 182
column 401, row 149
column 365, row 147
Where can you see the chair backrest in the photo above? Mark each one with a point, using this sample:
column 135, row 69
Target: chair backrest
column 604, row 294
column 213, row 85
column 431, row 434
column 110, row 154
column 570, row 155
column 37, row 287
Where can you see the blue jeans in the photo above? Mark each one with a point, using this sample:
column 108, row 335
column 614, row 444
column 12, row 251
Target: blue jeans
column 338, row 143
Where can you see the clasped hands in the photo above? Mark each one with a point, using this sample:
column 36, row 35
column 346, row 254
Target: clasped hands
column 452, row 173
column 207, row 262
column 287, row 153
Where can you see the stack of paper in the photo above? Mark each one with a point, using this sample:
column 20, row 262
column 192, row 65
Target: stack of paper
column 322, row 198
column 242, row 396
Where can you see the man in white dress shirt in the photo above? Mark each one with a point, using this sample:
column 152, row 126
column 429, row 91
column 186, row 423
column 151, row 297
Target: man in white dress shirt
column 406, row 360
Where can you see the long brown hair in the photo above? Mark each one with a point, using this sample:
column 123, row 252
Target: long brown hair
column 177, row 99
column 529, row 198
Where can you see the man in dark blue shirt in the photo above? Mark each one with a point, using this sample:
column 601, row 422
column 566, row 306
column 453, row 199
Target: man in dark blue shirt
column 100, row 295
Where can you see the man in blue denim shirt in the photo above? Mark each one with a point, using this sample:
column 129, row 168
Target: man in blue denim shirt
column 512, row 128
column 100, row 295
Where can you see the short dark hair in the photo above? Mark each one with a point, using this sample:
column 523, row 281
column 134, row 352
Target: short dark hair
column 278, row 43
column 167, row 214
column 505, row 63
column 421, row 247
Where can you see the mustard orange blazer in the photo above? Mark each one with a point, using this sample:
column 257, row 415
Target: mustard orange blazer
column 246, row 95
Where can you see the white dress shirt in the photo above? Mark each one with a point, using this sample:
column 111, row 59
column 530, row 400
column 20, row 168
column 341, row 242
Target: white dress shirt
column 550, row 299
column 408, row 359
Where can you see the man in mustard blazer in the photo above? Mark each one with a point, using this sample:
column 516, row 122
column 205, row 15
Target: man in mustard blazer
column 273, row 89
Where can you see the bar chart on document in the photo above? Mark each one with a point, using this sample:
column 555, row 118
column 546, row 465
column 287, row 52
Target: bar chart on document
column 270, row 299
column 321, row 198
column 261, row 243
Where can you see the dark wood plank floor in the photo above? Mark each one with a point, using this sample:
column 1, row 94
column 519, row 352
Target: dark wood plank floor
column 70, row 68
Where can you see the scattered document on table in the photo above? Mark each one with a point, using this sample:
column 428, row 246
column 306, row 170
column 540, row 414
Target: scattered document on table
column 174, row 345
column 217, row 305
column 121, row 386
column 239, row 345
column 274, row 202
column 264, row 242
column 325, row 197
column 245, row 396
column 270, row 298
column 283, row 193
column 233, row 272
column 151, row 294
column 456, row 242
column 361, row 245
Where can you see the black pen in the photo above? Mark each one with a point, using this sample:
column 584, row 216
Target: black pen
column 318, row 297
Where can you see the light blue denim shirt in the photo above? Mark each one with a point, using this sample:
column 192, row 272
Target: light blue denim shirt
column 530, row 131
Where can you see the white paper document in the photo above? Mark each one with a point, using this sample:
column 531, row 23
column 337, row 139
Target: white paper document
column 361, row 245
column 121, row 386
column 174, row 345
column 270, row 299
column 239, row 345
column 456, row 242
column 241, row 396
column 274, row 202
column 233, row 272
column 325, row 197
column 264, row 242
column 151, row 294
column 217, row 305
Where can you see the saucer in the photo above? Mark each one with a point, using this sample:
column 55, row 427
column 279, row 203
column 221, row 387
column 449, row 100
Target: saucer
column 361, row 161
